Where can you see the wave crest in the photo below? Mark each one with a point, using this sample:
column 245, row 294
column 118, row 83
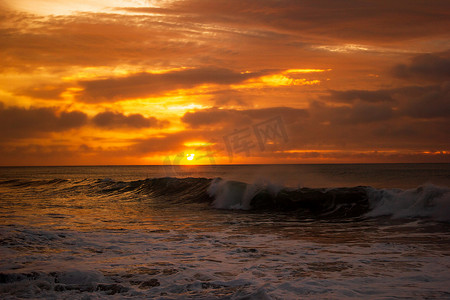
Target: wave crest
column 427, row 201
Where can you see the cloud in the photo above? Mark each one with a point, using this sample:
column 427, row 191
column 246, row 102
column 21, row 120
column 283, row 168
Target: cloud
column 170, row 143
column 360, row 112
column 230, row 97
column 33, row 154
column 212, row 116
column 46, row 92
column 95, row 39
column 429, row 67
column 350, row 96
column 426, row 102
column 78, row 58
column 413, row 117
column 199, row 32
column 233, row 117
column 112, row 120
column 335, row 20
column 19, row 122
column 422, row 102
column 147, row 84
column 345, row 132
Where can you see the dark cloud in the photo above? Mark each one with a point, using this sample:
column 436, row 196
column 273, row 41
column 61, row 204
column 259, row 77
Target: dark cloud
column 42, row 92
column 289, row 114
column 423, row 102
column 34, row 154
column 212, row 116
column 19, row 122
column 427, row 102
column 113, row 120
column 72, row 119
column 430, row 67
column 359, row 112
column 146, row 84
column 362, row 95
column 414, row 117
column 233, row 117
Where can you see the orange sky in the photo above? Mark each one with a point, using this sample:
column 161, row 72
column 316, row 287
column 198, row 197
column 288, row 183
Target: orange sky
column 224, row 81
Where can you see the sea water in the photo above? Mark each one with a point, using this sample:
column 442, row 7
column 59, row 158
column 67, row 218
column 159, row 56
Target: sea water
column 226, row 232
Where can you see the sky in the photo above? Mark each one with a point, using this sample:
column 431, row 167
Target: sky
column 121, row 82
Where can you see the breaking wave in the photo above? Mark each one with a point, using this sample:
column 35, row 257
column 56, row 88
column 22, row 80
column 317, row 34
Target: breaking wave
column 427, row 201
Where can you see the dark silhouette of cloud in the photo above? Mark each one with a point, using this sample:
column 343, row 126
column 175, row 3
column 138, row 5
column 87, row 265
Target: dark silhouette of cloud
column 362, row 95
column 422, row 102
column 112, row 120
column 147, row 84
column 426, row 102
column 17, row 122
column 233, row 117
column 429, row 67
column 42, row 92
column 360, row 112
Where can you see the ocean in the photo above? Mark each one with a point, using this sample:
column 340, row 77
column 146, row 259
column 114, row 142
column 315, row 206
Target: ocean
column 356, row 231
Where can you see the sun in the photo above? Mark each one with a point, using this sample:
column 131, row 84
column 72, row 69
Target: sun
column 190, row 156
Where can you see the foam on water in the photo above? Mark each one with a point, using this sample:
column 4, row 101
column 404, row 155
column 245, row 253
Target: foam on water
column 428, row 201
column 236, row 263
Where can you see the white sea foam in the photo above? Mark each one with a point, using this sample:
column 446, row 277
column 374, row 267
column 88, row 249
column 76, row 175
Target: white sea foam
column 426, row 201
column 236, row 264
